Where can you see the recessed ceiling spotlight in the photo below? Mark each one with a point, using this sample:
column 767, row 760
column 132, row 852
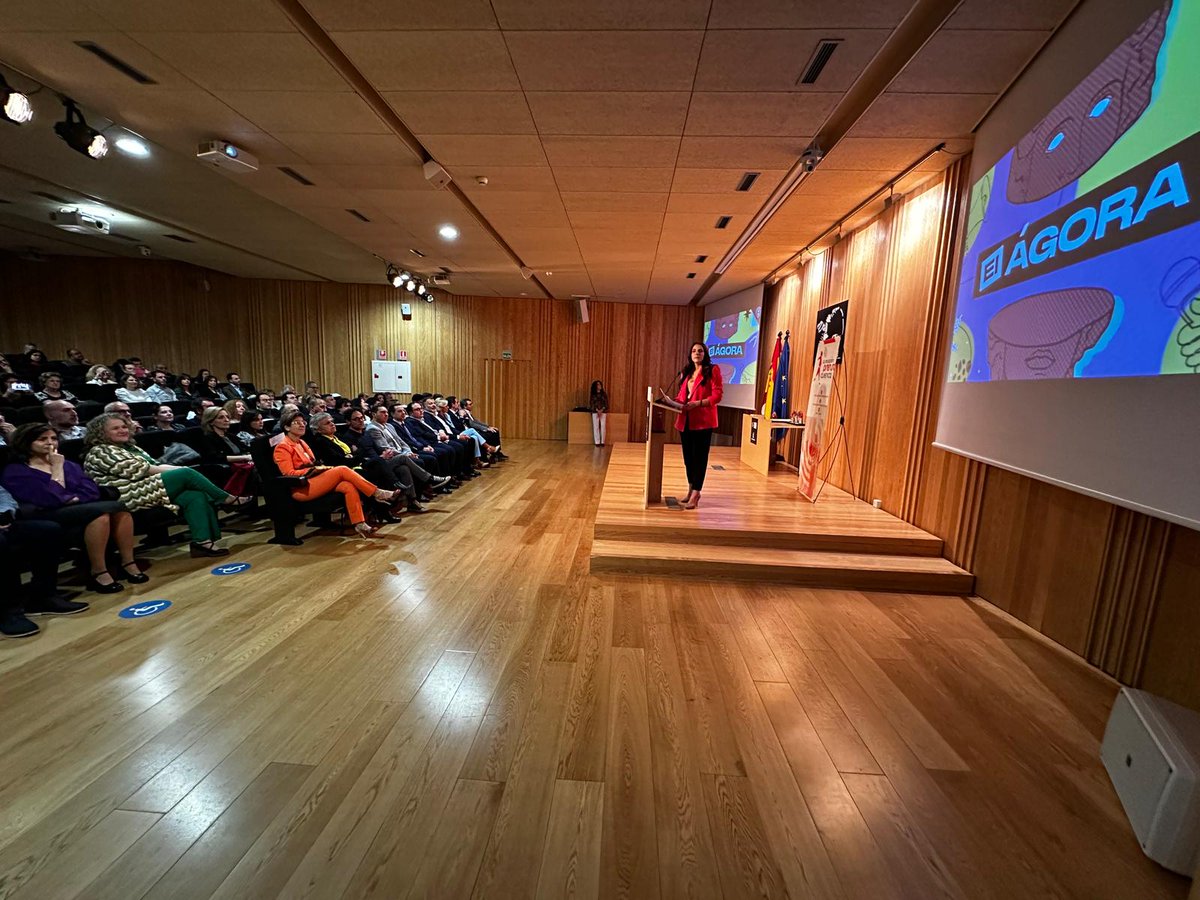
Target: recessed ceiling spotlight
column 80, row 136
column 132, row 145
column 549, row 273
column 15, row 106
column 449, row 232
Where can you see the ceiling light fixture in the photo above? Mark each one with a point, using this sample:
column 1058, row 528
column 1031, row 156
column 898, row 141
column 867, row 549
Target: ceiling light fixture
column 78, row 135
column 15, row 107
column 420, row 290
column 410, row 285
column 392, row 276
column 449, row 232
column 132, row 145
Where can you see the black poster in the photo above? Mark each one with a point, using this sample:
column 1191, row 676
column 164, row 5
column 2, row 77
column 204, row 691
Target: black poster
column 831, row 322
column 754, row 431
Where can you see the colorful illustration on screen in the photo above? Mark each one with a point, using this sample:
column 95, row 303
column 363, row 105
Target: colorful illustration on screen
column 732, row 343
column 1080, row 250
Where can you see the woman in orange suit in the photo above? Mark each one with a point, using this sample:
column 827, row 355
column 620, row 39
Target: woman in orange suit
column 700, row 390
column 294, row 457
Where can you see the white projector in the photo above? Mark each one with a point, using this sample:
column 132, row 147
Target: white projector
column 225, row 155
column 1151, row 750
column 79, row 222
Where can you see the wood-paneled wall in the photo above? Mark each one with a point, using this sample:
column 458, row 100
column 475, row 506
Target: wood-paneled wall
column 1116, row 587
column 276, row 332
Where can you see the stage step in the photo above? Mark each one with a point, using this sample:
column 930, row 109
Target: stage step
column 812, row 568
column 847, row 538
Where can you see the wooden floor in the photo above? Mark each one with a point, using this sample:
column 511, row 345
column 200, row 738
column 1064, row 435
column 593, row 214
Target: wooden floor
column 755, row 528
column 462, row 710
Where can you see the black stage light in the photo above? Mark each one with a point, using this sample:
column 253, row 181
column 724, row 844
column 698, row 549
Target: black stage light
column 75, row 130
column 14, row 105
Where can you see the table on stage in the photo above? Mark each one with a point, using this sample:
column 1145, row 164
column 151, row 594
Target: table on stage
column 757, row 446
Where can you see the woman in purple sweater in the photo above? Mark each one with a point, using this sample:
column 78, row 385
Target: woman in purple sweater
column 61, row 491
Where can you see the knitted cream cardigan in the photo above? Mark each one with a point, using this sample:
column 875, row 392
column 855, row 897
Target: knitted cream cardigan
column 128, row 470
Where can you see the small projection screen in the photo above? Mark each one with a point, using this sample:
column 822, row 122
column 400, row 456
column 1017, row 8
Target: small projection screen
column 731, row 327
column 1075, row 352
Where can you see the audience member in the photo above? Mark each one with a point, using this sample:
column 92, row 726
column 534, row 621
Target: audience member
column 453, row 457
column 446, row 432
column 63, row 418
column 52, row 388
column 251, row 427
column 458, row 428
column 331, row 450
column 375, row 440
column 265, row 401
column 34, row 364
column 137, row 368
column 17, row 392
column 29, row 545
column 115, row 461
column 61, row 492
column 76, row 358
column 100, row 375
column 217, row 444
column 209, row 389
column 121, row 408
column 131, row 390
column 159, row 391
column 294, row 457
column 183, row 388
column 202, row 377
column 233, row 387
column 164, row 420
column 463, row 411
column 6, row 430
column 236, row 409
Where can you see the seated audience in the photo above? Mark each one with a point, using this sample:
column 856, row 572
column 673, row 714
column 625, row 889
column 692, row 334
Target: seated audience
column 463, row 411
column 236, row 409
column 331, row 450
column 52, row 388
column 265, row 401
column 209, row 389
column 17, row 392
column 457, row 426
column 316, row 405
column 100, row 375
column 159, row 391
column 202, row 377
column 217, row 444
column 29, row 545
column 164, row 420
column 426, row 457
column 183, row 388
column 250, row 427
column 341, row 406
column 199, row 405
column 123, row 367
column 34, row 364
column 131, row 390
column 62, row 493
column 62, row 417
column 452, row 455
column 6, row 430
column 115, row 461
column 294, row 457
column 443, row 427
column 136, row 367
column 76, row 358
column 289, row 398
column 121, row 408
column 233, row 388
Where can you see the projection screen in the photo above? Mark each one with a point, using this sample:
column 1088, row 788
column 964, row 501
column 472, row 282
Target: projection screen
column 731, row 327
column 1075, row 350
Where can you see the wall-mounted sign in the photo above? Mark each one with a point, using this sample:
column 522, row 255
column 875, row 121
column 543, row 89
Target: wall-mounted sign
column 402, row 355
column 406, row 310
column 381, row 354
column 506, row 354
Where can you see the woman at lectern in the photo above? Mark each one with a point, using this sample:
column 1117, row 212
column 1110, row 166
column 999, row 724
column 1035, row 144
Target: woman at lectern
column 598, row 404
column 700, row 391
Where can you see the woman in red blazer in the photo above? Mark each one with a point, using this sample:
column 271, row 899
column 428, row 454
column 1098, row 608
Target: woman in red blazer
column 700, row 391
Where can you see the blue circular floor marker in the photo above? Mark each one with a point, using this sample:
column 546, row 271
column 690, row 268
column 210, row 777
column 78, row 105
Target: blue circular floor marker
column 142, row 610
column 231, row 568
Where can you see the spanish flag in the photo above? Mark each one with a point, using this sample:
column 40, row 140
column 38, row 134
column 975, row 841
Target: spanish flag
column 769, row 396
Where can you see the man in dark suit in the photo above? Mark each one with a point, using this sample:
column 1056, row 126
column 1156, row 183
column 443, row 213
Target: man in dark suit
column 463, row 410
column 377, row 441
column 425, row 455
column 425, row 436
column 233, row 387
column 435, row 417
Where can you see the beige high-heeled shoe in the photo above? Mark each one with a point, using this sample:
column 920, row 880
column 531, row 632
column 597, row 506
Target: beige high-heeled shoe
column 693, row 500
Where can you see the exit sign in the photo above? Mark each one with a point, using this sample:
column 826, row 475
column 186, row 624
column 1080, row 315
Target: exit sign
column 506, row 354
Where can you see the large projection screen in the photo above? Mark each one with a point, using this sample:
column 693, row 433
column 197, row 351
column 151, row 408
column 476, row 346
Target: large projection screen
column 731, row 327
column 1075, row 351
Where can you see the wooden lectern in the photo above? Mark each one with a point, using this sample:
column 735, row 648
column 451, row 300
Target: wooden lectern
column 656, row 436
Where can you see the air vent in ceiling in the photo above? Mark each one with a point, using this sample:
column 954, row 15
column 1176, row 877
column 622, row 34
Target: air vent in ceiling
column 818, row 60
column 747, row 181
column 702, row 258
column 415, row 252
column 358, row 215
column 723, row 221
column 292, row 173
column 116, row 62
column 691, row 274
column 53, row 197
column 178, row 237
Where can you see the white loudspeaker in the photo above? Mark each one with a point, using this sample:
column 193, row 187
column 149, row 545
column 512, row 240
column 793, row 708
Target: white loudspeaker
column 1151, row 750
column 583, row 310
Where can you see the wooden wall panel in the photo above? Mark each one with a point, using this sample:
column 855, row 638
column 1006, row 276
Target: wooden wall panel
column 277, row 332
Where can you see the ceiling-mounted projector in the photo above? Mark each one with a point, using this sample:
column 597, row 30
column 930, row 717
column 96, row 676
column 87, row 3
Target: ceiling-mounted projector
column 225, row 155
column 79, row 222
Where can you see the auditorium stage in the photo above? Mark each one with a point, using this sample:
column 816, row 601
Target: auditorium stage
column 760, row 529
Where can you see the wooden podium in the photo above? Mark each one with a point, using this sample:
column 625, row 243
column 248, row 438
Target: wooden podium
column 656, row 438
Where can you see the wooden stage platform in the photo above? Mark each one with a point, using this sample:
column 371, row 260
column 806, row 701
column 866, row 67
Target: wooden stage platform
column 757, row 528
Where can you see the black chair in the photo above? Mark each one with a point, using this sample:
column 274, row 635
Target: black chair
column 97, row 393
column 138, row 410
column 23, row 415
column 72, row 450
column 277, row 489
column 180, row 407
column 155, row 442
column 88, row 410
column 217, row 473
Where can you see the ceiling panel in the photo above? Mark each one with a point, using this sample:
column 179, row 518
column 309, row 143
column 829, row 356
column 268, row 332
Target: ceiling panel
column 611, row 112
column 605, row 60
column 922, row 115
column 331, row 112
column 347, row 149
column 634, row 152
column 718, row 181
column 1037, row 15
column 403, row 61
column 890, row 154
column 483, row 150
column 613, row 179
column 266, row 61
column 728, row 203
column 630, row 224
column 56, row 59
column 501, row 201
column 503, row 178
column 24, row 16
column 189, row 15
column 462, row 112
column 978, row 62
column 545, row 15
column 745, row 153
column 791, row 14
column 411, row 15
column 401, row 178
column 505, row 219
column 774, row 59
column 613, row 201
column 763, row 113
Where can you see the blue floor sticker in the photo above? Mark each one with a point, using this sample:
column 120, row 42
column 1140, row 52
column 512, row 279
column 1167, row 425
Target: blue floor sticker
column 231, row 568
column 141, row 610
